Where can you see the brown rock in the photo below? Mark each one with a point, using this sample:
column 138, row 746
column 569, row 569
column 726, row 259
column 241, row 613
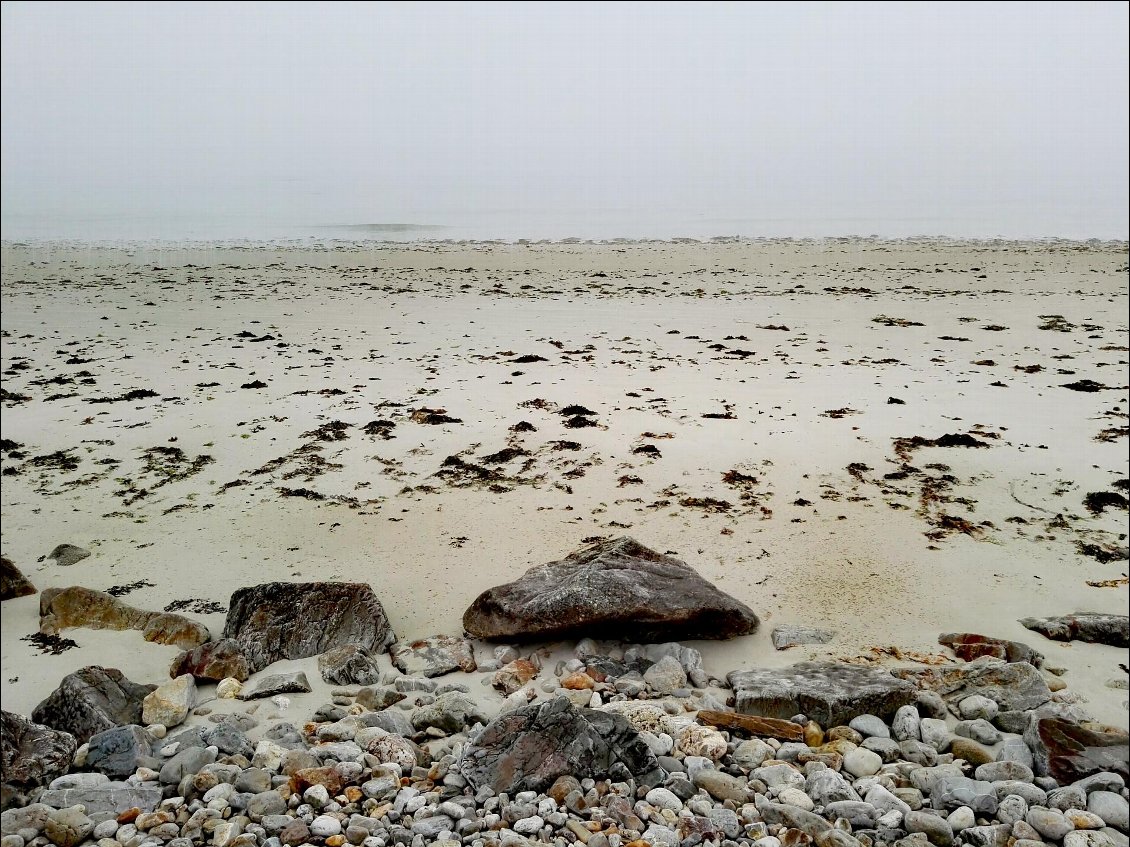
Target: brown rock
column 614, row 589
column 754, row 725
column 213, row 662
column 63, row 608
column 12, row 582
column 327, row 776
column 509, row 678
column 562, row 787
column 813, row 734
column 970, row 646
column 578, row 681
column 970, row 750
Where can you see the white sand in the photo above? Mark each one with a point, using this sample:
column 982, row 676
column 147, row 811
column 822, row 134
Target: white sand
column 410, row 325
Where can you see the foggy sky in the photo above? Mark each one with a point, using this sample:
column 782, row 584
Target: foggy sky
column 1015, row 114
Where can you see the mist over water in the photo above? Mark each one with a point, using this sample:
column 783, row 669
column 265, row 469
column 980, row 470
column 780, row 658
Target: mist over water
column 551, row 121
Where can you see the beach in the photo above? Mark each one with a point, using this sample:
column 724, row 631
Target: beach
column 890, row 440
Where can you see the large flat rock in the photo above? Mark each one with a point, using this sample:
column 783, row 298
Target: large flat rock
column 615, row 589
column 1015, row 686
column 288, row 620
column 830, row 693
column 1095, row 627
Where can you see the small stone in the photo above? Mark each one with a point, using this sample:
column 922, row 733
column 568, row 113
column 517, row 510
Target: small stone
column 870, row 726
column 861, row 762
column 980, row 730
column 294, row 682
column 793, row 635
column 68, row 827
column 905, row 725
column 796, row 797
column 1084, row 820
column 229, row 688
column 324, row 826
column 936, row 829
column 513, row 676
column 935, row 733
column 961, row 818
column 978, row 706
column 1050, row 823
column 970, row 751
column 666, row 675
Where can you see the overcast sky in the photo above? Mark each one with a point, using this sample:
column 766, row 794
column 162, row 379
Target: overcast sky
column 1015, row 113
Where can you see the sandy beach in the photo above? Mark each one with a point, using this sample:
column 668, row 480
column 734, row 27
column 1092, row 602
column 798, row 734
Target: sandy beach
column 203, row 418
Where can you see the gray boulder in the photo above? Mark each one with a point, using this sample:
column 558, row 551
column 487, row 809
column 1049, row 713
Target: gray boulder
column 31, row 755
column 830, row 693
column 118, row 752
column 349, row 665
column 283, row 620
column 66, row 555
column 614, row 589
column 91, row 700
column 108, row 799
column 1095, row 627
column 528, row 748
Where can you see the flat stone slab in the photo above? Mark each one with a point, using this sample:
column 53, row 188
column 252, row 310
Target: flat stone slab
column 276, row 683
column 1012, row 685
column 794, row 635
column 830, row 693
column 110, row 799
column 615, row 589
column 1094, row 627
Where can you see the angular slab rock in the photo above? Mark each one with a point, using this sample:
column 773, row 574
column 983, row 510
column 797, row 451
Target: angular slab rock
column 754, row 725
column 283, row 620
column 111, row 798
column 615, row 589
column 1012, row 685
column 830, row 693
column 91, row 700
column 349, row 665
column 212, row 662
column 970, row 646
column 170, row 703
column 12, row 582
column 1068, row 752
column 434, row 656
column 1094, row 627
column 63, row 608
column 31, row 754
column 793, row 635
column 276, row 683
column 66, row 555
column 528, row 748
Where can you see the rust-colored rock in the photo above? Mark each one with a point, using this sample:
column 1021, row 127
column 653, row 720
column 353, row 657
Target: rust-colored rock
column 509, row 678
column 970, row 646
column 327, row 776
column 64, row 608
column 1068, row 751
column 213, row 662
column 753, row 724
column 577, row 681
column 614, row 589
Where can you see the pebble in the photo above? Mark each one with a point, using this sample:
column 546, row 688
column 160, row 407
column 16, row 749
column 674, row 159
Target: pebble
column 862, row 762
